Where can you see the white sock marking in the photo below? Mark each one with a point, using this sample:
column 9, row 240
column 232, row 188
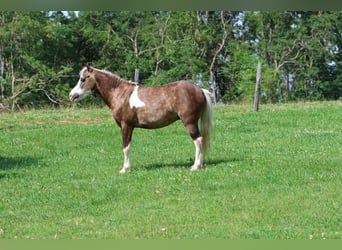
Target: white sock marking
column 127, row 163
column 198, row 154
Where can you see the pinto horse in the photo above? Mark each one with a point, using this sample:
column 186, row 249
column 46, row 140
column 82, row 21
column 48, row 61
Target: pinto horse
column 137, row 106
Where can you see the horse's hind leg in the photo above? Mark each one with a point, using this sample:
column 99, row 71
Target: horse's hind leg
column 197, row 139
column 198, row 154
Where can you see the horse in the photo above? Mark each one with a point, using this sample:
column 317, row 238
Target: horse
column 136, row 106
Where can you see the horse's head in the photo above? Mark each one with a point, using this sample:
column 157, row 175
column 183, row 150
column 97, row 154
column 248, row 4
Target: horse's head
column 84, row 86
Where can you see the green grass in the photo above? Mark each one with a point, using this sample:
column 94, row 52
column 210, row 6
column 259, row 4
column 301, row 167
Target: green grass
column 275, row 174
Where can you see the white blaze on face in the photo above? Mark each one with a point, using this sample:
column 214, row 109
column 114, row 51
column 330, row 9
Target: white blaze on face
column 77, row 93
column 134, row 101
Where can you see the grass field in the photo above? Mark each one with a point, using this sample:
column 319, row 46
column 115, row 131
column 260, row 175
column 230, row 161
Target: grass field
column 275, row 174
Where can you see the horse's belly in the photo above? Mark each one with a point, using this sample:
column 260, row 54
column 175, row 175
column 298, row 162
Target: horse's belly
column 155, row 120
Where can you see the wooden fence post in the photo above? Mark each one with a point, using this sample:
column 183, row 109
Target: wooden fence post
column 136, row 75
column 257, row 87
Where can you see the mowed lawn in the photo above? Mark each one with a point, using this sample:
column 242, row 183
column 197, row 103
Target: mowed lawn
column 275, row 174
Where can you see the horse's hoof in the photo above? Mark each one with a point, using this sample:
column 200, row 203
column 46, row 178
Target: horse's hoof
column 195, row 168
column 125, row 170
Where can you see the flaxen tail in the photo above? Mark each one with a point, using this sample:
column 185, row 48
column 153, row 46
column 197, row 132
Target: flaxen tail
column 206, row 122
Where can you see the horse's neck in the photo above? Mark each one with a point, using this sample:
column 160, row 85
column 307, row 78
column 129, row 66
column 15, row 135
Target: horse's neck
column 112, row 88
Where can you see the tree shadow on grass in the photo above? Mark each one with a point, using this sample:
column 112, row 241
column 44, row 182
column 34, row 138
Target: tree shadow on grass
column 187, row 164
column 7, row 164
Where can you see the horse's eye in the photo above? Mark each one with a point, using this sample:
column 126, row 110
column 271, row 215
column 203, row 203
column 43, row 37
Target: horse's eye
column 82, row 79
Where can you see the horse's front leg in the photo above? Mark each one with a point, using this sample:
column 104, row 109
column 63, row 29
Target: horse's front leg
column 126, row 143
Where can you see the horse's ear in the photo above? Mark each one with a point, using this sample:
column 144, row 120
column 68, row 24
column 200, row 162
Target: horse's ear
column 89, row 68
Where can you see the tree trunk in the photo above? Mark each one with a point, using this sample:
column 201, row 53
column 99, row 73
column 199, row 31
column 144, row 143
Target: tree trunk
column 257, row 87
column 213, row 84
column 216, row 53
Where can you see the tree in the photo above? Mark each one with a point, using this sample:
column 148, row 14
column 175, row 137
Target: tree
column 41, row 52
column 179, row 56
column 301, row 47
column 32, row 63
column 225, row 19
column 319, row 69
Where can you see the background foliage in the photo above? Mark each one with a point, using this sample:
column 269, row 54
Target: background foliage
column 42, row 52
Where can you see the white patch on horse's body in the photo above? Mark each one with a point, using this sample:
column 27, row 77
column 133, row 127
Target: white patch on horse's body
column 134, row 100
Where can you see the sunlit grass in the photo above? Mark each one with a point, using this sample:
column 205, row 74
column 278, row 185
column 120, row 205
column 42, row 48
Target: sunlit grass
column 274, row 174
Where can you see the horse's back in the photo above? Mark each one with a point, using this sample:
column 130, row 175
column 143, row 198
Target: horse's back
column 180, row 91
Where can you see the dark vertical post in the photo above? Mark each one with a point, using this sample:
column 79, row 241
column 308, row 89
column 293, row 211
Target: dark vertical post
column 257, row 87
column 136, row 75
column 2, row 70
column 2, row 64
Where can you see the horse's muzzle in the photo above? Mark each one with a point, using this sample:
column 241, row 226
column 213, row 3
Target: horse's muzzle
column 74, row 97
